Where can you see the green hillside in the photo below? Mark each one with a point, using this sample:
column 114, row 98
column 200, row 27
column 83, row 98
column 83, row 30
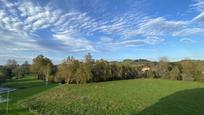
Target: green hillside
column 140, row 96
column 25, row 87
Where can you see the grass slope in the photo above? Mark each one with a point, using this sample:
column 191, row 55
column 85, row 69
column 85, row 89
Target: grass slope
column 25, row 88
column 141, row 96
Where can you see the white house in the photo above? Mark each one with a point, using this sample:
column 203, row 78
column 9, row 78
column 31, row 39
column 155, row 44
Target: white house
column 146, row 68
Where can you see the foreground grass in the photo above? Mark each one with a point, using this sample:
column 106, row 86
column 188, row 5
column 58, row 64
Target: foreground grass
column 25, row 88
column 141, row 96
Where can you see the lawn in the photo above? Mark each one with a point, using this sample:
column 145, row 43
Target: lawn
column 139, row 96
column 25, row 88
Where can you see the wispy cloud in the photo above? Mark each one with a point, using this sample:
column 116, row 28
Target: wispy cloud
column 18, row 17
column 137, row 42
column 74, row 43
column 17, row 20
column 198, row 5
column 30, row 26
column 187, row 40
column 10, row 44
column 158, row 26
column 189, row 32
column 115, row 44
column 199, row 18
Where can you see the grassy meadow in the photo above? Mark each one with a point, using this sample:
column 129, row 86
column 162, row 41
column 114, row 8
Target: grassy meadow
column 25, row 87
column 139, row 96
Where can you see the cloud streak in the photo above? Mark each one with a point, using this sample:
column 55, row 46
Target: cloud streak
column 187, row 41
column 30, row 26
column 138, row 42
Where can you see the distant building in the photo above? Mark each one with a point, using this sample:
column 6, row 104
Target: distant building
column 145, row 68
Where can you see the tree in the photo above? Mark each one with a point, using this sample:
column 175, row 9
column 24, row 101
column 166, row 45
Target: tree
column 3, row 73
column 11, row 67
column 101, row 71
column 88, row 67
column 41, row 66
column 25, row 68
column 114, row 71
column 22, row 70
column 63, row 73
column 162, row 68
column 83, row 74
column 48, row 72
column 12, row 63
column 67, row 70
column 18, row 72
column 187, row 68
column 175, row 73
column 192, row 70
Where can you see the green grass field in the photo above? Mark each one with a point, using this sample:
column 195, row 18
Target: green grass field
column 139, row 96
column 25, row 88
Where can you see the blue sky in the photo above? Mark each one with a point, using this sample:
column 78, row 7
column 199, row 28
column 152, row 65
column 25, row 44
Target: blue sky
column 109, row 29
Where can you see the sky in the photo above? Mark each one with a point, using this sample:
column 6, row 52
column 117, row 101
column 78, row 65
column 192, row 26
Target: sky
column 108, row 29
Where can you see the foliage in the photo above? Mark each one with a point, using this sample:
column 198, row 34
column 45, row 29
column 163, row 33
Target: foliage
column 88, row 70
column 74, row 71
column 3, row 74
column 11, row 67
column 192, row 70
column 42, row 67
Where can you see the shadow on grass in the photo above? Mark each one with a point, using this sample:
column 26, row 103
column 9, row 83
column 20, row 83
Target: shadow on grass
column 24, row 85
column 23, row 79
column 14, row 111
column 26, row 88
column 186, row 102
column 23, row 90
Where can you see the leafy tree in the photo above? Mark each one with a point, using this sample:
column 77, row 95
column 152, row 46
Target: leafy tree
column 162, row 68
column 192, row 70
column 88, row 66
column 175, row 73
column 3, row 74
column 62, row 73
column 187, row 70
column 21, row 70
column 11, row 67
column 18, row 72
column 67, row 70
column 82, row 74
column 42, row 67
column 114, row 71
column 102, row 71
column 25, row 68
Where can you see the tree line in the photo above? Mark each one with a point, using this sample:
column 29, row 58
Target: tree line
column 13, row 69
column 72, row 70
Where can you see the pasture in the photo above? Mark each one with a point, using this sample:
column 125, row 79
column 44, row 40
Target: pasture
column 139, row 96
column 25, row 87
